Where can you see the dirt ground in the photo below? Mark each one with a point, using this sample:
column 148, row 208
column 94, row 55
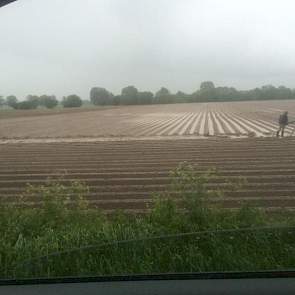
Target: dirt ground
column 225, row 119
column 125, row 174
column 124, row 154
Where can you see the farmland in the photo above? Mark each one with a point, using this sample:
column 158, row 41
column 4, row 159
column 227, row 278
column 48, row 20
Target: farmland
column 233, row 119
column 124, row 154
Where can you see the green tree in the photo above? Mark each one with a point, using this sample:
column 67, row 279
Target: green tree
column 2, row 101
column 117, row 99
column 100, row 96
column 207, row 85
column 225, row 93
column 72, row 101
column 255, row 93
column 145, row 97
column 163, row 96
column 33, row 101
column 129, row 95
column 269, row 92
column 11, row 101
column 180, row 97
column 207, row 91
column 48, row 101
column 26, row 105
column 284, row 92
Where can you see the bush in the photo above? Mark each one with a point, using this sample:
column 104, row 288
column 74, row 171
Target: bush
column 100, row 96
column 26, row 105
column 11, row 101
column 65, row 225
column 117, row 99
column 129, row 95
column 2, row 101
column 164, row 96
column 48, row 101
column 145, row 97
column 72, row 101
column 33, row 100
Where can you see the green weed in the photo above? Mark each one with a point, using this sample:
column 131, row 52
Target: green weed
column 53, row 238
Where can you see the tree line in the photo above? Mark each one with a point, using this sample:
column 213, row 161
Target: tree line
column 33, row 102
column 207, row 93
column 130, row 95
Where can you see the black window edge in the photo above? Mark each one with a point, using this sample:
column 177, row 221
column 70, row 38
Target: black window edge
column 153, row 277
column 5, row 2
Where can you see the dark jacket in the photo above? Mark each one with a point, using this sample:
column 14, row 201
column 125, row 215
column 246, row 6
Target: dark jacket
column 283, row 120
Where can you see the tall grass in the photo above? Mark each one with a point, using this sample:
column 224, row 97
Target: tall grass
column 53, row 239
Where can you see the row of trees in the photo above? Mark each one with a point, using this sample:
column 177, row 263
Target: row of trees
column 34, row 101
column 207, row 92
column 131, row 96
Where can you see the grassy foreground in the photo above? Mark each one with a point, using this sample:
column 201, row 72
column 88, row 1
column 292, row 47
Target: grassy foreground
column 31, row 239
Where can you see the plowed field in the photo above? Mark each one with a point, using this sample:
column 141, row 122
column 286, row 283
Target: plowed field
column 123, row 174
column 124, row 154
column 235, row 119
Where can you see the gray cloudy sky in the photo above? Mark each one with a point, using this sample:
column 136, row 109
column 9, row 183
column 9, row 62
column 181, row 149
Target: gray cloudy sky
column 67, row 46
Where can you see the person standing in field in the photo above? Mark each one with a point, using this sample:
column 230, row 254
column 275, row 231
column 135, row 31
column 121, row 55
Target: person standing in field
column 283, row 122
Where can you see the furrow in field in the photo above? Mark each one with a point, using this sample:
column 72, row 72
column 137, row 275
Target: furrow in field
column 178, row 127
column 148, row 150
column 70, row 156
column 237, row 129
column 259, row 131
column 160, row 127
column 152, row 129
column 225, row 124
column 247, row 125
column 174, row 125
column 149, row 123
column 97, row 174
column 269, row 130
column 218, row 124
column 210, row 125
column 239, row 123
column 188, row 124
column 195, row 123
column 206, row 127
column 202, row 124
column 279, row 168
column 270, row 182
column 132, row 171
column 165, row 129
column 126, row 164
column 288, row 129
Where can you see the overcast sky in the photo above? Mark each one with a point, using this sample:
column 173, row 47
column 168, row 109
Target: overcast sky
column 67, row 46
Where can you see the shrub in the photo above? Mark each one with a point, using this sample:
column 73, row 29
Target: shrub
column 72, row 101
column 49, row 101
column 100, row 96
column 63, row 236
column 33, row 101
column 11, row 101
column 164, row 96
column 117, row 99
column 145, row 97
column 26, row 105
column 129, row 95
column 2, row 101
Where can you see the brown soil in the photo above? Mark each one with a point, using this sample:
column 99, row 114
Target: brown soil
column 235, row 119
column 124, row 174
